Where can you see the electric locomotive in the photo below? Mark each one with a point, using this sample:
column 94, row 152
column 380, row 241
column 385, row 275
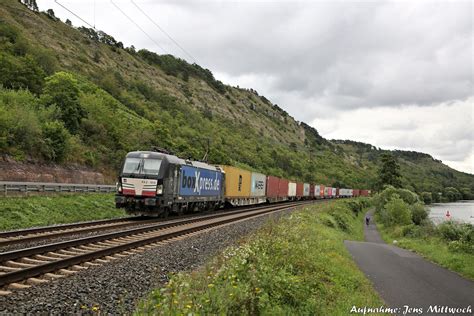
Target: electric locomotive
column 158, row 183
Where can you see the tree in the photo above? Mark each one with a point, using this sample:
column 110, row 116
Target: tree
column 50, row 13
column 62, row 91
column 389, row 173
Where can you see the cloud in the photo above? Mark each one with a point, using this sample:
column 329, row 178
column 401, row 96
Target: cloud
column 444, row 130
column 325, row 61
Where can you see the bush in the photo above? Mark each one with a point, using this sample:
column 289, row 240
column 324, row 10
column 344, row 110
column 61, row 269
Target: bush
column 382, row 198
column 398, row 211
column 56, row 139
column 418, row 213
column 426, row 197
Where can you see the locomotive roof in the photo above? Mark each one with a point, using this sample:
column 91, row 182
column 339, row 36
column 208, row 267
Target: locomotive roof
column 171, row 159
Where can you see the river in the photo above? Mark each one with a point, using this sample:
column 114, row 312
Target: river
column 461, row 211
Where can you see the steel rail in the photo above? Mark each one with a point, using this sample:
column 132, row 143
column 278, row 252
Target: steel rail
column 210, row 221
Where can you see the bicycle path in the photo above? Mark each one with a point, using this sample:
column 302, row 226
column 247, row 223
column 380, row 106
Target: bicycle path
column 406, row 281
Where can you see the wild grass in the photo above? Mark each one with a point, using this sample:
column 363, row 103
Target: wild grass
column 433, row 248
column 22, row 212
column 295, row 266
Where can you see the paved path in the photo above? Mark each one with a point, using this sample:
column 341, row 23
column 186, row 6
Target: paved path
column 403, row 278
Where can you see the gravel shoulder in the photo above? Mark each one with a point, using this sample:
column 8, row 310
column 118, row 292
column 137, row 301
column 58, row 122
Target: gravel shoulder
column 117, row 287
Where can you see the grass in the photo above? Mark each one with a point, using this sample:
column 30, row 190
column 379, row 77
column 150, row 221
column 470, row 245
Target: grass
column 432, row 248
column 297, row 265
column 23, row 212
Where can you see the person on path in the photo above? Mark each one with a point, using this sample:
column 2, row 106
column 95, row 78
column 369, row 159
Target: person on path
column 367, row 220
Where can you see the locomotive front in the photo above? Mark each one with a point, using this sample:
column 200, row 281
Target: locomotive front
column 140, row 184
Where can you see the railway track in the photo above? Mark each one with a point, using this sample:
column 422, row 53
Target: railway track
column 36, row 265
column 13, row 237
column 32, row 235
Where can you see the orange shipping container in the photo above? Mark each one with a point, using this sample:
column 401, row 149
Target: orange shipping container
column 237, row 182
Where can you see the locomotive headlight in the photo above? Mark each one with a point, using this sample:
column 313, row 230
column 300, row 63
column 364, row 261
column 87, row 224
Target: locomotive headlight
column 119, row 187
column 159, row 189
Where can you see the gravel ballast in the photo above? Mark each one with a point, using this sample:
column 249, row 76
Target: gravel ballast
column 116, row 287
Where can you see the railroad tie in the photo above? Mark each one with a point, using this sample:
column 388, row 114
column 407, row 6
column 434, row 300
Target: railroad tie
column 19, row 264
column 35, row 281
column 18, row 286
column 67, row 271
column 9, row 269
column 54, row 276
column 3, row 292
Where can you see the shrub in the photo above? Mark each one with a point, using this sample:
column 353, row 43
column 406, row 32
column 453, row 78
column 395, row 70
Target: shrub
column 56, row 139
column 426, row 197
column 418, row 213
column 382, row 198
column 398, row 211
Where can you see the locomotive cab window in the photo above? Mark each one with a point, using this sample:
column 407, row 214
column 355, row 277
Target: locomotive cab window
column 142, row 166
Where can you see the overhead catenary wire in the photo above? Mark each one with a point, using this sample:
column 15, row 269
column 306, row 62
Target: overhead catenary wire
column 138, row 26
column 163, row 31
column 77, row 16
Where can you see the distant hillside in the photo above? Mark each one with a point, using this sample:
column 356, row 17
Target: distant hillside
column 76, row 96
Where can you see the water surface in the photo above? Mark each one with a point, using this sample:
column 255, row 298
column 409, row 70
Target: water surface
column 461, row 211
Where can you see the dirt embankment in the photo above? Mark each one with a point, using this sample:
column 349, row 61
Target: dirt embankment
column 11, row 170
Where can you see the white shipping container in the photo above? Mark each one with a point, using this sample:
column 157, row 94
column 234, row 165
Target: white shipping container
column 258, row 184
column 344, row 192
column 326, row 191
column 292, row 189
column 306, row 189
column 334, row 192
column 317, row 190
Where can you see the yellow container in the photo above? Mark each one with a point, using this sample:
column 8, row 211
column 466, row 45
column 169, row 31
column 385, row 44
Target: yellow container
column 237, row 182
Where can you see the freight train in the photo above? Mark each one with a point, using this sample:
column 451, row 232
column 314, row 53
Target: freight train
column 158, row 183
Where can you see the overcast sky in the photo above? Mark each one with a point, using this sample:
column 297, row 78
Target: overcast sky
column 393, row 74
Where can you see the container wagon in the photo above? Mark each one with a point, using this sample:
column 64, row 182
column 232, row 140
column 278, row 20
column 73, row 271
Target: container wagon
column 283, row 188
column 364, row 192
column 337, row 192
column 276, row 189
column 321, row 192
column 317, row 191
column 311, row 191
column 334, row 193
column 292, row 190
column 326, row 192
column 258, row 188
column 299, row 190
column 306, row 188
column 238, row 184
column 355, row 192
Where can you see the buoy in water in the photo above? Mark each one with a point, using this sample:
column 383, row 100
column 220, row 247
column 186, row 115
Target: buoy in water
column 448, row 215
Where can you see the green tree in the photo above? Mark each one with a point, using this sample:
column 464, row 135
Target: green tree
column 389, row 173
column 62, row 91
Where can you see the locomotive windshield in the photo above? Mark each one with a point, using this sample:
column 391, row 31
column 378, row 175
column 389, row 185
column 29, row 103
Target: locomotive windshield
column 141, row 166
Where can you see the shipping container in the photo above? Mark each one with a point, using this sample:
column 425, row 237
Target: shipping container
column 326, row 192
column 355, row 192
column 291, row 190
column 317, row 191
column 299, row 189
column 237, row 182
column 283, row 189
column 306, row 188
column 311, row 191
column 321, row 191
column 364, row 192
column 258, row 185
column 272, row 187
column 330, row 192
column 334, row 191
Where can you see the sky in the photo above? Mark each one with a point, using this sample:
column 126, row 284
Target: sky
column 395, row 74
